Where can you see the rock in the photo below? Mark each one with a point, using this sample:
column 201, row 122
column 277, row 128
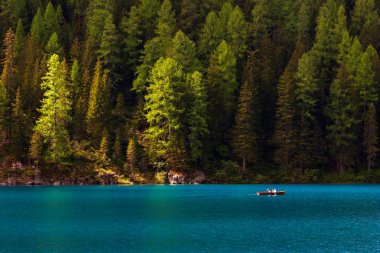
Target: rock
column 176, row 177
column 198, row 177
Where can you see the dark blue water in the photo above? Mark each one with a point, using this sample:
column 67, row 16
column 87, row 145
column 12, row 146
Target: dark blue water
column 202, row 218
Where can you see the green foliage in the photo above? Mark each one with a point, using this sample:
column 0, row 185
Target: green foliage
column 197, row 116
column 160, row 177
column 98, row 103
column 163, row 110
column 19, row 38
column 53, row 47
column 109, row 50
column 3, row 106
column 50, row 22
column 55, row 109
column 243, row 133
column 37, row 28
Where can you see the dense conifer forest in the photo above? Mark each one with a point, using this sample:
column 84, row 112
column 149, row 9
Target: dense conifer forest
column 238, row 90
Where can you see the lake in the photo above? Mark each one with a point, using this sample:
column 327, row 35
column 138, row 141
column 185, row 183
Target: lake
column 190, row 218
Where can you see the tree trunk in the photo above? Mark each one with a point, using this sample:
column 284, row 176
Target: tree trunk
column 243, row 164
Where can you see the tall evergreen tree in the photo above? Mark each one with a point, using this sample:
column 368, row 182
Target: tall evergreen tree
column 222, row 88
column 306, row 100
column 19, row 38
column 132, row 37
column 164, row 111
column 50, row 22
column 8, row 62
column 285, row 132
column 109, row 49
column 197, row 116
column 370, row 136
column 53, row 46
column 3, row 107
column 37, row 28
column 243, row 137
column 55, row 110
column 158, row 46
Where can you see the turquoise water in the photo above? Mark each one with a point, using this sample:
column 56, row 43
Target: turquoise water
column 201, row 218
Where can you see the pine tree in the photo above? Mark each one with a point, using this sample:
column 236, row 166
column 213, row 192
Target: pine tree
column 109, row 50
column 341, row 132
column 8, row 73
column 148, row 11
column 364, row 15
column 166, row 21
column 189, row 17
column 53, row 46
column 370, row 136
column 103, row 148
column 197, row 116
column 98, row 13
column 222, row 87
column 50, row 22
column 76, row 87
column 131, row 29
column 19, row 38
column 211, row 36
column 18, row 132
column 55, row 110
column 3, row 107
column 237, row 32
column 36, row 147
column 98, row 103
column 243, row 137
column 306, row 100
column 183, row 51
column 131, row 156
column 285, row 130
column 156, row 47
column 163, row 111
column 117, row 150
column 37, row 28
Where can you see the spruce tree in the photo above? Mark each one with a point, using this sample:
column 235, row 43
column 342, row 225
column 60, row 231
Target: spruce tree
column 109, row 50
column 131, row 156
column 19, row 38
column 8, row 64
column 164, row 111
column 210, row 36
column 3, row 107
column 98, row 110
column 285, row 129
column 370, row 136
column 237, row 32
column 132, row 37
column 55, row 111
column 156, row 47
column 222, row 88
column 306, row 101
column 341, row 132
column 183, row 51
column 18, row 132
column 242, row 134
column 197, row 116
column 50, row 22
column 37, row 28
column 53, row 46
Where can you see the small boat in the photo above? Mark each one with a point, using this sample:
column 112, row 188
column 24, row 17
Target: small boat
column 271, row 193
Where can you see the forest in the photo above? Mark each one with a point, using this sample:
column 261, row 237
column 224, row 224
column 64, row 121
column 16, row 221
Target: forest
column 229, row 91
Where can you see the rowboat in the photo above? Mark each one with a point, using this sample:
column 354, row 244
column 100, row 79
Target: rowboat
column 271, row 193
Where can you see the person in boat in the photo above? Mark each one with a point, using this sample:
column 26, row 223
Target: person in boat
column 274, row 191
column 268, row 190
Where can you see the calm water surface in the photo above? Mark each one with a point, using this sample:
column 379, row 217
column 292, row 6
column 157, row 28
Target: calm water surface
column 202, row 218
